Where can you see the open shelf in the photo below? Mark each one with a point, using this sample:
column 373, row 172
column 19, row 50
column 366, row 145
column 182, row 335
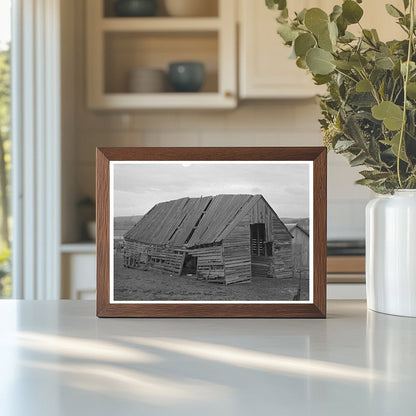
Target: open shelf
column 127, row 51
column 81, row 247
column 167, row 100
column 119, row 45
column 160, row 24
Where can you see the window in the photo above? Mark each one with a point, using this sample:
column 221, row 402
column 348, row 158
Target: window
column 257, row 238
column 5, row 145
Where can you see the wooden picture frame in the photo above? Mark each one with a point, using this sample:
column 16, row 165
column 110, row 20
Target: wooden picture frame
column 313, row 307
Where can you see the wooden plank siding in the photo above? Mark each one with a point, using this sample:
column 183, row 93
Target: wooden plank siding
column 237, row 260
column 163, row 258
column 210, row 263
column 282, row 250
column 300, row 248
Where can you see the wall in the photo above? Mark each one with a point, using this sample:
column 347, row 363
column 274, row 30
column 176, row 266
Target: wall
column 256, row 123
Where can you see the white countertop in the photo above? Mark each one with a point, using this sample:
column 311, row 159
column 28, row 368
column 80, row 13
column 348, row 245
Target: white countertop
column 57, row 358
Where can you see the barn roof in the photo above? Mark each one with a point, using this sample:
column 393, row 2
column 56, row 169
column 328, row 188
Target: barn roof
column 192, row 221
column 291, row 227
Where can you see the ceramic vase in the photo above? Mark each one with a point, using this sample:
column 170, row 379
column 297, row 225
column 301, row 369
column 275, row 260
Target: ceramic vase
column 391, row 253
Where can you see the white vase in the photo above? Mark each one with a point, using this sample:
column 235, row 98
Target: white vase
column 391, row 253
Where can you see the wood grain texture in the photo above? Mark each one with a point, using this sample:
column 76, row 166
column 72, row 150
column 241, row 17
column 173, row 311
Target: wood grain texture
column 213, row 310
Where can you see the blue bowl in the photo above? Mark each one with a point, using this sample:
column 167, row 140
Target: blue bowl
column 135, row 8
column 187, row 76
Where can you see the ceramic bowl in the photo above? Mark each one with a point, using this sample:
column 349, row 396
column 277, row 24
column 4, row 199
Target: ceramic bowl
column 186, row 76
column 147, row 80
column 135, row 8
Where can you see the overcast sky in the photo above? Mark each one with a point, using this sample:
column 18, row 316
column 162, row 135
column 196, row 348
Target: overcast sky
column 138, row 187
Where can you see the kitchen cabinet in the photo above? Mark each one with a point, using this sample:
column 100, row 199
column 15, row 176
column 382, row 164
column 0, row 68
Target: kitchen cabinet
column 265, row 70
column 118, row 45
column 78, row 263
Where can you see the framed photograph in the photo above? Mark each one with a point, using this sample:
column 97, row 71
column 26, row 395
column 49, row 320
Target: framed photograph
column 211, row 232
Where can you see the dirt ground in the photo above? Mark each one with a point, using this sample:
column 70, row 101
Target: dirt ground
column 134, row 284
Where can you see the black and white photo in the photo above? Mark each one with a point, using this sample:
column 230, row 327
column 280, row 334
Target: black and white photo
column 194, row 231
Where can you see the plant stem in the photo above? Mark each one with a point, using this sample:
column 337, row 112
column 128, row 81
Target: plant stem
column 346, row 75
column 406, row 80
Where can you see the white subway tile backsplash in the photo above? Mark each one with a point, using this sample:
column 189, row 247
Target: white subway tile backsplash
column 232, row 138
column 197, row 120
column 147, row 120
column 103, row 121
column 170, row 138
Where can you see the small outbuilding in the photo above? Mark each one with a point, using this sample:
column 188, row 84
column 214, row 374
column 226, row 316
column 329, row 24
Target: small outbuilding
column 223, row 238
column 300, row 245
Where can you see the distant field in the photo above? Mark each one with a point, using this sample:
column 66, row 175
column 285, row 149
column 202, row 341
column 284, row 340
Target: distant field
column 123, row 224
column 302, row 222
column 134, row 284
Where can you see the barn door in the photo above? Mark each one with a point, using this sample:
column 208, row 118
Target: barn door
column 257, row 239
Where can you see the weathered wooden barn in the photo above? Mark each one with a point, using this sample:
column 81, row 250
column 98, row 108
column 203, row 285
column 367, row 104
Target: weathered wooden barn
column 223, row 238
column 300, row 244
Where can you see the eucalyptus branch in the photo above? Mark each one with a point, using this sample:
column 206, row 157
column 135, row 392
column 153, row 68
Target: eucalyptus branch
column 353, row 116
column 346, row 75
column 373, row 88
column 406, row 80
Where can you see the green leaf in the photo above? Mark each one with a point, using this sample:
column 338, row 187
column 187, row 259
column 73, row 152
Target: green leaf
column 393, row 11
column 394, row 145
column 336, row 12
column 358, row 160
column 276, row 4
column 342, row 25
column 358, row 61
column 351, row 11
column 344, row 65
column 412, row 67
column 303, row 43
column 301, row 63
column 375, row 35
column 365, row 182
column 320, row 61
column 321, row 79
column 343, row 145
column 347, row 37
column 363, row 86
column 374, row 174
column 287, row 33
column 333, row 32
column 354, row 132
column 391, row 114
column 301, row 15
column 325, row 42
column 368, row 36
column 384, row 62
column 316, row 20
column 411, row 90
